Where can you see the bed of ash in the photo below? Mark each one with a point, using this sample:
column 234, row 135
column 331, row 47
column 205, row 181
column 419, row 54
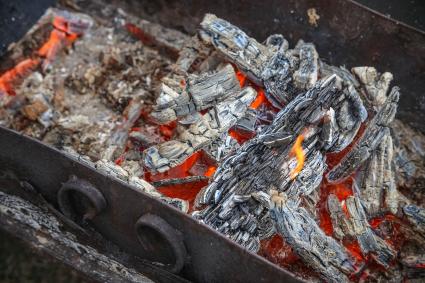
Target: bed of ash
column 293, row 159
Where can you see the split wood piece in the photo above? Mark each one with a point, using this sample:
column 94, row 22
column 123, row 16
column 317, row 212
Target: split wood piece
column 328, row 70
column 409, row 159
column 247, row 124
column 241, row 217
column 416, row 216
column 199, row 93
column 194, row 54
column 179, row 181
column 342, row 227
column 377, row 128
column 208, row 128
column 248, row 55
column 356, row 226
column 117, row 142
column 306, row 75
column 377, row 188
column 222, row 146
column 277, row 72
column 369, row 242
column 350, row 113
column 322, row 253
column 376, row 85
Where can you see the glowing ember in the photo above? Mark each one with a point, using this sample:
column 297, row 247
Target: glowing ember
column 65, row 32
column 187, row 191
column 325, row 221
column 139, row 34
column 13, row 77
column 241, row 78
column 395, row 237
column 375, row 222
column 239, row 136
column 210, row 171
column 354, row 248
column 277, row 251
column 60, row 37
column 120, row 159
column 70, row 24
column 197, row 164
column 167, row 130
column 54, row 44
column 260, row 99
column 298, row 151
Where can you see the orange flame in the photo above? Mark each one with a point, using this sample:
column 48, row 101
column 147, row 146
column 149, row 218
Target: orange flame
column 298, row 151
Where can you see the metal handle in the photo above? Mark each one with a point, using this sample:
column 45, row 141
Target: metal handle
column 80, row 200
column 162, row 242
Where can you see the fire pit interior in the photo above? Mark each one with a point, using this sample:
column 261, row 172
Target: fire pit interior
column 297, row 160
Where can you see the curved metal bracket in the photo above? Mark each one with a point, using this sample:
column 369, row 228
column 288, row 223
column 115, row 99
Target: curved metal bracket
column 162, row 241
column 80, row 200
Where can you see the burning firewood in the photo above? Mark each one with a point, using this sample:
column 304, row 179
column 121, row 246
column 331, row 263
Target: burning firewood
column 269, row 66
column 199, row 134
column 321, row 252
column 369, row 242
column 265, row 162
column 257, row 140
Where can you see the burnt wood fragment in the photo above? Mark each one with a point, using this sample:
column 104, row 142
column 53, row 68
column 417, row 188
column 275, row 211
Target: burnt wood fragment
column 197, row 93
column 203, row 132
column 322, row 253
column 377, row 128
column 368, row 240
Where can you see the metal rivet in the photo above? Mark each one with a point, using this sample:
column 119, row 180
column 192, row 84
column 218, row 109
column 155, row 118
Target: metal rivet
column 163, row 243
column 79, row 200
